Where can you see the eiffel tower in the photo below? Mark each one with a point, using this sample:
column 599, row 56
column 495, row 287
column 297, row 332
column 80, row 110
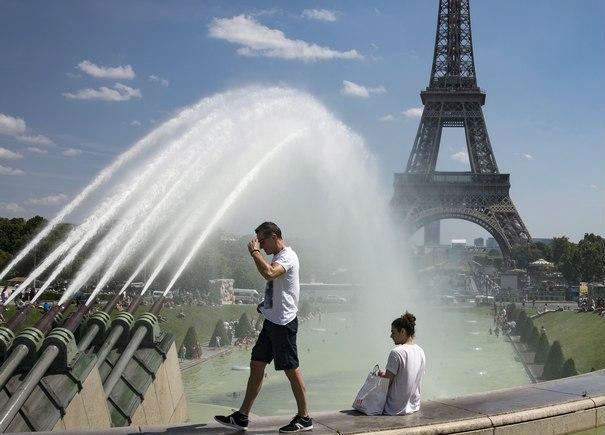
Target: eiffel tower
column 423, row 196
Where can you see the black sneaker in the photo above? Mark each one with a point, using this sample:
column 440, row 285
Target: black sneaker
column 298, row 424
column 237, row 420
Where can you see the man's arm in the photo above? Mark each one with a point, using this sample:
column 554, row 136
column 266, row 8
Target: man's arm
column 268, row 271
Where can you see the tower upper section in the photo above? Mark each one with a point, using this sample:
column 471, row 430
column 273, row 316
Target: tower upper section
column 453, row 62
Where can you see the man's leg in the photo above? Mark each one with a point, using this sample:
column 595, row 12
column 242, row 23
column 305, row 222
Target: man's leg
column 299, row 389
column 255, row 381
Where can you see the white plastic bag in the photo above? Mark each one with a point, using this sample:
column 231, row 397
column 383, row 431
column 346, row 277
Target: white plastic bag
column 373, row 394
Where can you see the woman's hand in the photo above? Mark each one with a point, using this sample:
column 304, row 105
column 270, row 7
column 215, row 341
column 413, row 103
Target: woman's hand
column 386, row 374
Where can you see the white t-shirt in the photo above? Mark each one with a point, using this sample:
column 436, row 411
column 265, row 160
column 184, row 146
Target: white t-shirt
column 407, row 362
column 281, row 294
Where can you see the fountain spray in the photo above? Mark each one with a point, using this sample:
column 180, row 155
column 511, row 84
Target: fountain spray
column 235, row 193
column 153, row 138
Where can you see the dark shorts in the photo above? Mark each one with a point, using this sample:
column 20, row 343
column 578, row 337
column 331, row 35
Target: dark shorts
column 277, row 342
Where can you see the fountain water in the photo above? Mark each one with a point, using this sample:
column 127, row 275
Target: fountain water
column 235, row 160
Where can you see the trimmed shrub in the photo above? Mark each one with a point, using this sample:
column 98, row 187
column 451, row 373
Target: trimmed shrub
column 521, row 321
column 554, row 362
column 193, row 349
column 533, row 338
column 512, row 312
column 305, row 308
column 259, row 322
column 542, row 350
column 526, row 328
column 243, row 328
column 222, row 334
column 569, row 368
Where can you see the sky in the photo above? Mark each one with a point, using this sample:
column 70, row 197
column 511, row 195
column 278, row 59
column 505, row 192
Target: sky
column 81, row 81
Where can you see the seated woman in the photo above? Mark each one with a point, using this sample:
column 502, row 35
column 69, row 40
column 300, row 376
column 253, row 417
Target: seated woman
column 404, row 369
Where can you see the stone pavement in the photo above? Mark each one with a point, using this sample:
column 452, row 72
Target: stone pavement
column 553, row 407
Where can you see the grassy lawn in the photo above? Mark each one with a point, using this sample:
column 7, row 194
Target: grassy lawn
column 203, row 319
column 582, row 337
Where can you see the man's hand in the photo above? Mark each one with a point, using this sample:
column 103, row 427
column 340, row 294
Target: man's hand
column 253, row 245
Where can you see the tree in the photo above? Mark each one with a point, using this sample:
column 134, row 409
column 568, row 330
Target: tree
column 569, row 368
column 554, row 362
column 193, row 349
column 591, row 251
column 243, row 328
column 559, row 247
column 259, row 323
column 305, row 308
column 221, row 336
column 533, row 337
column 542, row 350
column 570, row 264
column 545, row 250
column 512, row 312
column 525, row 254
column 521, row 320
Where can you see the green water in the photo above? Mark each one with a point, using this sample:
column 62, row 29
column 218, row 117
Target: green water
column 337, row 351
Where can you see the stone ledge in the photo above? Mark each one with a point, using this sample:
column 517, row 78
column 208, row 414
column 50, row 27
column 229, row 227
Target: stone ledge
column 554, row 407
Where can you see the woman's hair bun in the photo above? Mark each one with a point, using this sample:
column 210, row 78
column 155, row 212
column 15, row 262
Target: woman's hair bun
column 409, row 318
column 407, row 321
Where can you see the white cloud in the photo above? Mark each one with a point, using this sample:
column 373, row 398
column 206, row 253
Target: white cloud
column 49, row 200
column 16, row 127
column 319, row 14
column 119, row 92
column 11, row 126
column 528, row 156
column 73, row 75
column 37, row 150
column 8, row 154
column 259, row 40
column 355, row 90
column 460, row 157
column 414, row 112
column 5, row 170
column 386, row 118
column 135, row 123
column 118, row 72
column 71, row 152
column 163, row 82
column 37, row 139
column 11, row 207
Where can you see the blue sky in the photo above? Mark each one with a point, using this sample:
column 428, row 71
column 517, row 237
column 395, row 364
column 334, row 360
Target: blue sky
column 81, row 81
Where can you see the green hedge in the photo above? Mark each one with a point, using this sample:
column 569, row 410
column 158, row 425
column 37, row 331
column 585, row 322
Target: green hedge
column 542, row 350
column 193, row 349
column 569, row 368
column 553, row 368
column 243, row 327
column 222, row 334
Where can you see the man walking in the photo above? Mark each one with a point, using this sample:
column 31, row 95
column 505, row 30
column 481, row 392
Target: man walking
column 277, row 340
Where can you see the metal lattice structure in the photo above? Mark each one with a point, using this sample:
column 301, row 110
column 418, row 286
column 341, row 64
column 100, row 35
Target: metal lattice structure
column 453, row 100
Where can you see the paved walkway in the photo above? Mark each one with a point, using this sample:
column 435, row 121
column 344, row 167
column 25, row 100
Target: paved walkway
column 554, row 407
